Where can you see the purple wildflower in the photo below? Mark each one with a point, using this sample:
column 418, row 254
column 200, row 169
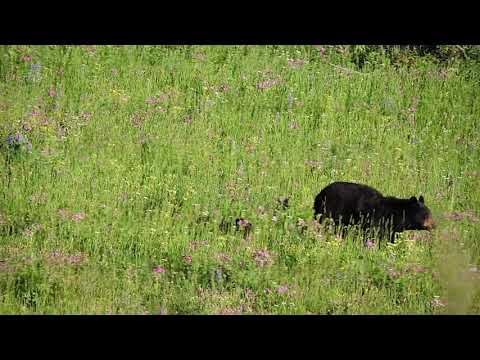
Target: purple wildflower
column 320, row 48
column 302, row 225
column 394, row 274
column 27, row 127
column 159, row 270
column 261, row 210
column 138, row 119
column 86, row 115
column 223, row 88
column 457, row 215
column 163, row 311
column 263, row 258
column 249, row 294
column 267, row 84
column 28, row 232
column 370, row 243
column 294, row 125
column 26, row 58
column 59, row 257
column 230, row 311
column 35, row 72
column 194, row 245
column 224, row 257
column 75, row 259
column 296, row 63
column 200, row 56
column 301, row 222
column 243, row 222
column 417, row 269
column 63, row 212
column 187, row 259
column 4, row 267
column 52, row 92
column 157, row 99
column 78, row 216
column 151, row 101
column 415, row 102
column 56, row 254
column 282, row 289
column 18, row 140
column 219, row 88
column 90, row 49
column 437, row 302
column 44, row 121
column 314, row 164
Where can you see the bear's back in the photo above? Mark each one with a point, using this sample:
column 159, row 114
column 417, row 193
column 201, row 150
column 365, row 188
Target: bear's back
column 346, row 189
column 346, row 199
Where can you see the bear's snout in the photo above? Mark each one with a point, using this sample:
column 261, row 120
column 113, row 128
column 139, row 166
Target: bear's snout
column 429, row 223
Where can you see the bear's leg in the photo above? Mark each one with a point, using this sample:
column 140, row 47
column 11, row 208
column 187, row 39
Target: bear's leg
column 381, row 234
column 392, row 237
column 319, row 217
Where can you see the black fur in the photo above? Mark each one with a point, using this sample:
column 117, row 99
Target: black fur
column 356, row 204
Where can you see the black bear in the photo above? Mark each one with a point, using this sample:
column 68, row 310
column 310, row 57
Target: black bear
column 356, row 204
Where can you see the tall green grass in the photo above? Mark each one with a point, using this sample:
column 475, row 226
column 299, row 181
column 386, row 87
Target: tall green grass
column 139, row 153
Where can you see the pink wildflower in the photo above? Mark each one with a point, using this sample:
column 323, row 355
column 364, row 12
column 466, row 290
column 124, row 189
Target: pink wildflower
column 159, row 270
column 437, row 302
column 78, row 216
column 263, row 258
column 26, row 58
column 294, row 125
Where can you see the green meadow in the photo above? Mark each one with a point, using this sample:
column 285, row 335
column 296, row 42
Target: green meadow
column 123, row 169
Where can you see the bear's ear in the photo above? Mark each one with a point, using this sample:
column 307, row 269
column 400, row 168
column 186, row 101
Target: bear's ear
column 421, row 199
column 413, row 199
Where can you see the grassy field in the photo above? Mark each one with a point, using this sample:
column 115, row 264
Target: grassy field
column 133, row 160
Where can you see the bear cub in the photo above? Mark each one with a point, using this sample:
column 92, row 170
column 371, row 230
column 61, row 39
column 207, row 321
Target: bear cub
column 356, row 204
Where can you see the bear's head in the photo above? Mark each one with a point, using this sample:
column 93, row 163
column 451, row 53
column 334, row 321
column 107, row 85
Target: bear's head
column 418, row 215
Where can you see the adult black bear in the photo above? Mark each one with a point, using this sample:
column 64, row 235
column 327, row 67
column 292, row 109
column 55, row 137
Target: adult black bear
column 356, row 204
